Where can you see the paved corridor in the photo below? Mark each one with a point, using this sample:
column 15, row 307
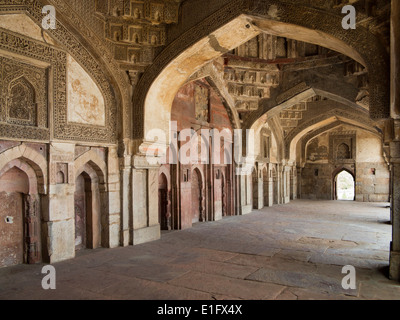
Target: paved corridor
column 293, row 251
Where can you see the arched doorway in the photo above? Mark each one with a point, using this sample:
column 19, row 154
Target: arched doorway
column 163, row 202
column 87, row 213
column 344, row 186
column 19, row 219
column 82, row 211
column 196, row 196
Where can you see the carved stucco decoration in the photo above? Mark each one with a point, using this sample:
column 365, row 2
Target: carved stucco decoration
column 136, row 28
column 248, row 81
column 23, row 93
column 24, row 105
column 342, row 146
column 57, row 58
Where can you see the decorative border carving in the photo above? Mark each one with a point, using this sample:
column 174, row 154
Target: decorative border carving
column 335, row 112
column 15, row 72
column 291, row 93
column 62, row 129
column 336, row 139
column 14, row 43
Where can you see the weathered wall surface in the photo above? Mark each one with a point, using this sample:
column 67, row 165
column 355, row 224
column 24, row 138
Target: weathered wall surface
column 48, row 96
column 365, row 162
column 204, row 190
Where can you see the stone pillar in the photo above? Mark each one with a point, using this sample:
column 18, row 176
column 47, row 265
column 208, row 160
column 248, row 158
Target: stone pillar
column 395, row 245
column 279, row 182
column 299, row 182
column 125, row 185
column 145, row 225
column 245, row 191
column 114, row 199
column 395, row 60
column 394, row 270
column 238, row 193
column 286, row 184
column 270, row 186
column 260, row 188
column 293, row 183
column 60, row 221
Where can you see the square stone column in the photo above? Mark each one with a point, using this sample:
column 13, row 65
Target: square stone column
column 394, row 271
column 245, row 194
column 260, row 191
column 114, row 202
column 60, row 221
column 395, row 60
column 126, row 199
column 286, row 184
column 145, row 226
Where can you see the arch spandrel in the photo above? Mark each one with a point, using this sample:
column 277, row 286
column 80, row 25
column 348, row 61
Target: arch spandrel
column 285, row 19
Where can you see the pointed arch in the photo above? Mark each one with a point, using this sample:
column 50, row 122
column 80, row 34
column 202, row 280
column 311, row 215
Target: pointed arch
column 336, row 188
column 92, row 159
column 32, row 159
column 94, row 170
column 243, row 20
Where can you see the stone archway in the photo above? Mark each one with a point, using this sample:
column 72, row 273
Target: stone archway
column 344, row 186
column 20, row 217
column 90, row 206
column 243, row 20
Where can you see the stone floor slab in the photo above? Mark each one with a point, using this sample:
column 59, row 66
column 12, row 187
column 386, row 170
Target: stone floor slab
column 287, row 252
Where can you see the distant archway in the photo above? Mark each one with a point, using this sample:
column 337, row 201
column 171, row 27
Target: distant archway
column 89, row 199
column 344, row 186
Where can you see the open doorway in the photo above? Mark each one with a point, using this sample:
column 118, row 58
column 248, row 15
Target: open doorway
column 20, row 234
column 163, row 202
column 344, row 186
